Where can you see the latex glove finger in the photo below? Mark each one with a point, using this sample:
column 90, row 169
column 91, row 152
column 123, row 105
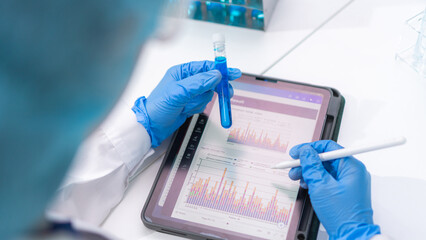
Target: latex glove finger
column 199, row 101
column 196, row 110
column 295, row 151
column 352, row 166
column 185, row 70
column 234, row 73
column 183, row 91
column 295, row 173
column 321, row 146
column 313, row 171
column 325, row 146
column 198, row 106
column 192, row 68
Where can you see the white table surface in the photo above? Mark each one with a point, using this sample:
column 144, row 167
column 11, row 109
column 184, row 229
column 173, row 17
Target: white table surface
column 355, row 53
column 349, row 45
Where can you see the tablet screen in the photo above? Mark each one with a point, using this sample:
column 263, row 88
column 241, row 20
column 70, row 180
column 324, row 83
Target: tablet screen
column 219, row 182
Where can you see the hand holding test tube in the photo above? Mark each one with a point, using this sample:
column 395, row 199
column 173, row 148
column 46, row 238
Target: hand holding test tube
column 222, row 88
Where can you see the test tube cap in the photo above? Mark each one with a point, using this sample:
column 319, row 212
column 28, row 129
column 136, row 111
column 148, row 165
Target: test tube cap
column 218, row 37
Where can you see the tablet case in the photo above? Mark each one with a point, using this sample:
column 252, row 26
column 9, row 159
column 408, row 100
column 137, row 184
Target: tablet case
column 308, row 224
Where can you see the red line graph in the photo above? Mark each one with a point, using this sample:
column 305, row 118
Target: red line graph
column 250, row 137
column 224, row 198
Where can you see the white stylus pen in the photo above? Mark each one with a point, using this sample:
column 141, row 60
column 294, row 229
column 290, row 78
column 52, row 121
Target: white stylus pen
column 345, row 152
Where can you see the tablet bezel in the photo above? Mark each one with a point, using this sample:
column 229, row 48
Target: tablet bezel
column 190, row 229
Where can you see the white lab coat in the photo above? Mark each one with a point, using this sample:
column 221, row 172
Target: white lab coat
column 103, row 166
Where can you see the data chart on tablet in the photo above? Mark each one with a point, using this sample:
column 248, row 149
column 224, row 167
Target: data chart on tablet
column 229, row 184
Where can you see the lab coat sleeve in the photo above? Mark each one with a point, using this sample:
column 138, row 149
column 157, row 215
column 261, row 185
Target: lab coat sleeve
column 102, row 169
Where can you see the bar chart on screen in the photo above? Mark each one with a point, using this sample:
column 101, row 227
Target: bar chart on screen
column 261, row 130
column 234, row 184
column 252, row 138
column 223, row 197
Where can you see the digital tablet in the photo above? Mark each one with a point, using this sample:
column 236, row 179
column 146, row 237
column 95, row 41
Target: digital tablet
column 217, row 183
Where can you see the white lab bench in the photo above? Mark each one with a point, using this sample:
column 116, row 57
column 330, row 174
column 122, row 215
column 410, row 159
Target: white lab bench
column 346, row 44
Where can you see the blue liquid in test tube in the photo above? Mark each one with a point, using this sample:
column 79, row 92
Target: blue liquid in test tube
column 222, row 88
column 257, row 19
column 237, row 16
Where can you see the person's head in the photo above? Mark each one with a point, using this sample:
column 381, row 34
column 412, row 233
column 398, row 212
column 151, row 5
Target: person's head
column 63, row 64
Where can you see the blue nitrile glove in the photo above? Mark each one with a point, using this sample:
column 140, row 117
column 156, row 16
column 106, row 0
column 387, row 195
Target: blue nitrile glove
column 340, row 190
column 185, row 90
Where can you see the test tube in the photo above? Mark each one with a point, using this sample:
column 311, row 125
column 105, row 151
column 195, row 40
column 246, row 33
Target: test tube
column 258, row 4
column 194, row 10
column 216, row 12
column 237, row 16
column 240, row 2
column 222, row 88
column 257, row 19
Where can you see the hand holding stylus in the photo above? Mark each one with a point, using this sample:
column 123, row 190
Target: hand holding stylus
column 340, row 190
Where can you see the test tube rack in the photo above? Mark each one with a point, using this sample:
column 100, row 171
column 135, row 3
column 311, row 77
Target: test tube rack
column 254, row 14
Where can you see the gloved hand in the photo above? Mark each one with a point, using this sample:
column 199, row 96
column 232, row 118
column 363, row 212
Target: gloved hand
column 185, row 90
column 340, row 191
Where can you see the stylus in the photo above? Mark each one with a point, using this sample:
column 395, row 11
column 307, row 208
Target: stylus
column 345, row 152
